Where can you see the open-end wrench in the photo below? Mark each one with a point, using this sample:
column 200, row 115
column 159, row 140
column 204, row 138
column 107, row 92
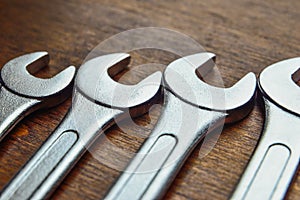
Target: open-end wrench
column 21, row 93
column 97, row 102
column 192, row 109
column 276, row 158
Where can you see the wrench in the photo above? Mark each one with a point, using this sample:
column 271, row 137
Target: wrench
column 21, row 93
column 97, row 102
column 275, row 160
column 191, row 110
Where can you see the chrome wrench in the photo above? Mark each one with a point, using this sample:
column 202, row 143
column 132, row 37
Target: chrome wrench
column 97, row 102
column 191, row 110
column 21, row 93
column 276, row 158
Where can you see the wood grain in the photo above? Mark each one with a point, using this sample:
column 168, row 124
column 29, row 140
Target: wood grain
column 246, row 35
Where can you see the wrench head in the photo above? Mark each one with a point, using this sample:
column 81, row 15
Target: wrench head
column 181, row 79
column 95, row 82
column 278, row 83
column 16, row 77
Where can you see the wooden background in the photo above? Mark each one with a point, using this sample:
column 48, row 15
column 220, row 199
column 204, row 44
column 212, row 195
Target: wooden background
column 246, row 35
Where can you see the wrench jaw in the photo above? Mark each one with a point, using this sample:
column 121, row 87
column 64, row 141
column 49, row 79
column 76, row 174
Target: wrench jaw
column 236, row 101
column 16, row 77
column 244, row 94
column 34, row 63
column 145, row 94
column 136, row 99
column 278, row 83
column 102, row 89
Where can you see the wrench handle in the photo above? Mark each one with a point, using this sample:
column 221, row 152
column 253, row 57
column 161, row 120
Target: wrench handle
column 151, row 163
column 41, row 165
column 42, row 174
column 275, row 160
column 155, row 166
column 13, row 109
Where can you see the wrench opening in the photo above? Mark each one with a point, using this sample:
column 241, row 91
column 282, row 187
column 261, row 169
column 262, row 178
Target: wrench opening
column 296, row 77
column 38, row 64
column 16, row 77
column 118, row 67
column 96, row 83
column 205, row 68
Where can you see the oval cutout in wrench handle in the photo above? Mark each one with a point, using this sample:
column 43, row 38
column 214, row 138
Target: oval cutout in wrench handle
column 148, row 165
column 150, row 173
column 40, row 166
column 41, row 175
column 275, row 160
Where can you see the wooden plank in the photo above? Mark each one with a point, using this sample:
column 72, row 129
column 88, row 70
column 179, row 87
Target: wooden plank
column 246, row 36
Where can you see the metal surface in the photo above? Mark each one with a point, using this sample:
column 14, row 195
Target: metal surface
column 184, row 121
column 118, row 97
column 21, row 93
column 276, row 158
column 278, row 84
column 85, row 121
